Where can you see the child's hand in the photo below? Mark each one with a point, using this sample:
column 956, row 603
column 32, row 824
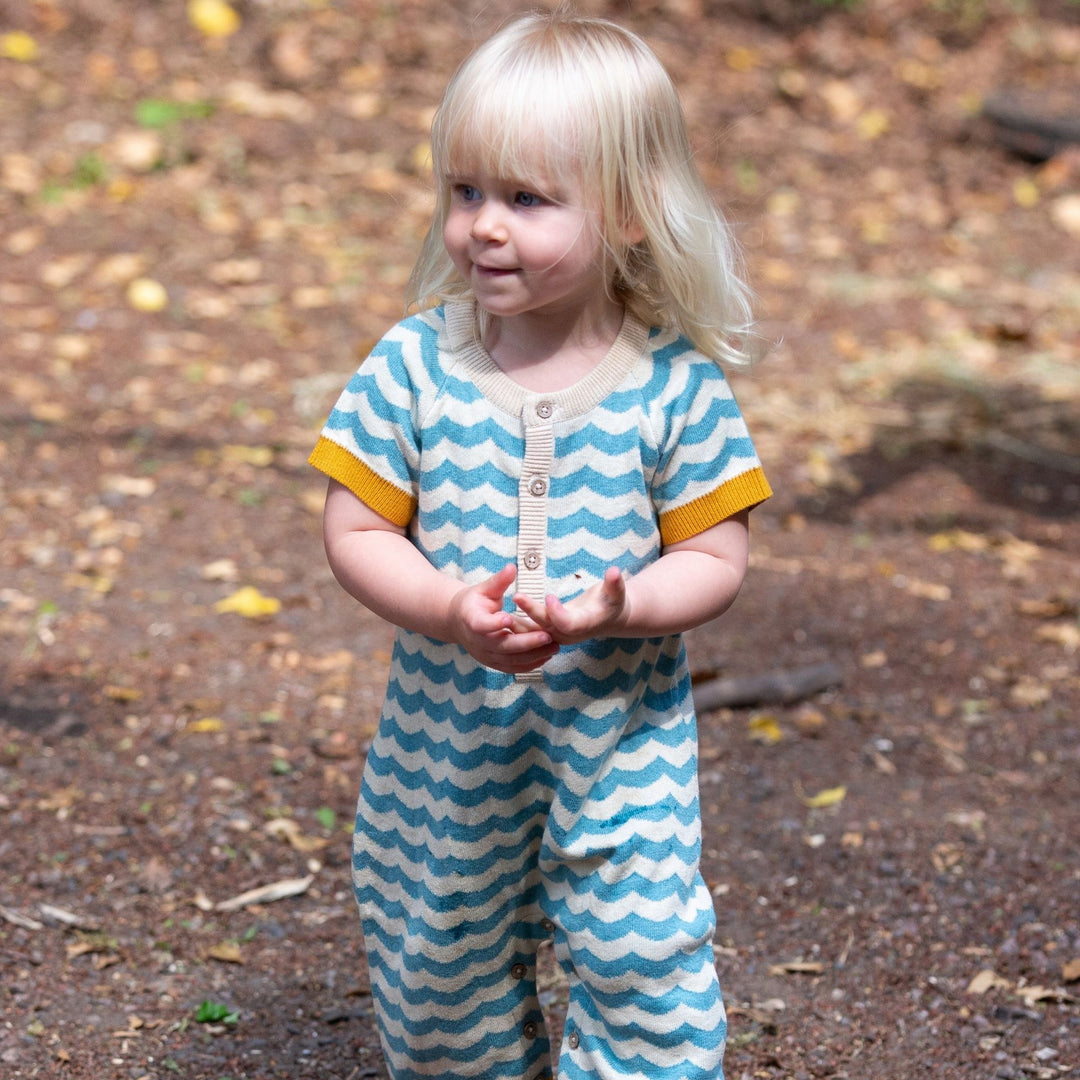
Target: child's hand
column 595, row 613
column 494, row 637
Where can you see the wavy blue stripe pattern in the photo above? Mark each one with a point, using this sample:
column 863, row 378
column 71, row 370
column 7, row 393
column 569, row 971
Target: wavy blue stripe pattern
column 494, row 812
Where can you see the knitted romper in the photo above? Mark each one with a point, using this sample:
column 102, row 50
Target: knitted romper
column 498, row 811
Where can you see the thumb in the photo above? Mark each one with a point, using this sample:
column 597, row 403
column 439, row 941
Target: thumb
column 495, row 587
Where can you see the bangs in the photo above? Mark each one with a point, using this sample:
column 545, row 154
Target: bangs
column 521, row 120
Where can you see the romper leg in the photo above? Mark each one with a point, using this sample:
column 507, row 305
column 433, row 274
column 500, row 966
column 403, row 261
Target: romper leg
column 477, row 1016
column 634, row 922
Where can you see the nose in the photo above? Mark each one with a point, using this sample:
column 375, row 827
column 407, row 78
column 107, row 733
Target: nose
column 488, row 222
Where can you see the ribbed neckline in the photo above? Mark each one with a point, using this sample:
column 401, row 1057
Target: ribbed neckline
column 574, row 400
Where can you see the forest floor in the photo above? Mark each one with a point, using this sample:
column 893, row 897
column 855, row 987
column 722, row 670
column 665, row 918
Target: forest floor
column 202, row 236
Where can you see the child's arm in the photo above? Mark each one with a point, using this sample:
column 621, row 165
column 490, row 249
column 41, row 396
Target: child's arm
column 378, row 565
column 692, row 582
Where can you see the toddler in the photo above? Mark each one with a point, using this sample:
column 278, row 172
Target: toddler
column 541, row 478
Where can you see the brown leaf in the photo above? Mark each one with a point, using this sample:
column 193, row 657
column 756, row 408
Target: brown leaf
column 228, row 952
column 797, row 967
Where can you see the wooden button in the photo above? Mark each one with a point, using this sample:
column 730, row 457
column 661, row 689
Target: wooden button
column 518, row 971
column 530, row 1029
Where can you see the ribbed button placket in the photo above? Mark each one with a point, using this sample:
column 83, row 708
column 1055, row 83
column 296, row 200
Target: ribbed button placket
column 533, row 488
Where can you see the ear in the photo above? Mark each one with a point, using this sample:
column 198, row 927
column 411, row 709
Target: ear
column 633, row 233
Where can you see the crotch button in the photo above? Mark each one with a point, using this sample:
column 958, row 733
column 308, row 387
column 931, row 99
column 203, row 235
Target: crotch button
column 548, row 925
column 530, row 1029
column 572, row 1040
column 518, row 971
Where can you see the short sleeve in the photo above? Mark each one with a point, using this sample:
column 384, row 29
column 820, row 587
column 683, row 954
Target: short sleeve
column 708, row 467
column 371, row 441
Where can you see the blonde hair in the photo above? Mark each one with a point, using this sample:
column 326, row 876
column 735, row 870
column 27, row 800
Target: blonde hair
column 553, row 92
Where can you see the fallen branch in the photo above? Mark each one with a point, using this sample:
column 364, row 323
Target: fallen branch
column 266, row 894
column 771, row 688
column 17, row 918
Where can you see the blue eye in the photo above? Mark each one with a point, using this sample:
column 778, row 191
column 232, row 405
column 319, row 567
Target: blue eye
column 528, row 199
column 466, row 192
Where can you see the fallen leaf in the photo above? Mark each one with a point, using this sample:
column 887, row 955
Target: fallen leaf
column 121, row 693
column 146, row 294
column 1065, row 634
column 228, row 952
column 259, row 456
column 139, row 487
column 18, row 45
column 985, row 981
column 1070, row 971
column 873, row 123
column 809, row 721
column 1026, row 192
column 205, row 725
column 249, row 602
column 1066, row 214
column 764, row 728
column 826, row 797
column 1032, row 995
column 797, row 967
column 220, row 570
column 287, row 829
column 213, row 18
column 266, row 894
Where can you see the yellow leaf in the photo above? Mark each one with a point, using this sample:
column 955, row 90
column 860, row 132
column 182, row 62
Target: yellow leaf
column 740, row 58
column 249, row 602
column 764, row 728
column 826, row 797
column 873, row 123
column 145, row 294
column 1026, row 192
column 259, row 456
column 958, row 540
column 18, row 45
column 214, row 18
column 206, row 725
column 121, row 693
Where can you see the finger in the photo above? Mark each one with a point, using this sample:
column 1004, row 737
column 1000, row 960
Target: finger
column 614, row 586
column 528, row 640
column 494, row 587
column 534, row 609
column 523, row 624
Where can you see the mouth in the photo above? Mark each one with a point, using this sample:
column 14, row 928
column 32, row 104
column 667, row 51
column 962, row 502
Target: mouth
column 494, row 271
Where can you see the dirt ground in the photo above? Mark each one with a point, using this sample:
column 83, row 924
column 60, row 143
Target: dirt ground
column 201, row 235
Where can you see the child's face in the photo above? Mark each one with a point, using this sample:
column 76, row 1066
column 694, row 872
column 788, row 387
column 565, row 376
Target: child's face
column 524, row 250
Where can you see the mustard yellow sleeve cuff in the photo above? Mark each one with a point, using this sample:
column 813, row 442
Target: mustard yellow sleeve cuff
column 739, row 493
column 383, row 497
